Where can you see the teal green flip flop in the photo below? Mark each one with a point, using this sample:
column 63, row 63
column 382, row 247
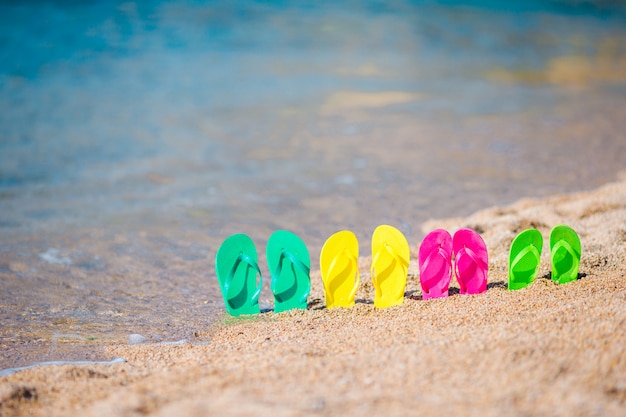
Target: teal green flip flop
column 524, row 258
column 565, row 253
column 289, row 264
column 236, row 265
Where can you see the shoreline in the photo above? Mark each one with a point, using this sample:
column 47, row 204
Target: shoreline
column 548, row 349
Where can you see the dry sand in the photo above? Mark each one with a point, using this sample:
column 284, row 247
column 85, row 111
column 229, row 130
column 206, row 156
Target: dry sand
column 545, row 350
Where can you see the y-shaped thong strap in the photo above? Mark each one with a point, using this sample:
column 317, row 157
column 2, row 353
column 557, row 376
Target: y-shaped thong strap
column 465, row 251
column 298, row 264
column 243, row 257
column 528, row 249
column 565, row 245
column 396, row 258
column 331, row 268
column 429, row 259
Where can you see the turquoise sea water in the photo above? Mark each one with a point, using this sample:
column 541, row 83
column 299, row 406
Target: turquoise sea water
column 135, row 137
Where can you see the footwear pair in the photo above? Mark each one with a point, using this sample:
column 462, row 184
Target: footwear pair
column 435, row 263
column 389, row 270
column 236, row 265
column 525, row 256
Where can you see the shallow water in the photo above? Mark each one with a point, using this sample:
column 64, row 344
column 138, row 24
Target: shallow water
column 134, row 138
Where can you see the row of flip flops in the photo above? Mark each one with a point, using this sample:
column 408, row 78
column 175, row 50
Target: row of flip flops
column 237, row 268
column 390, row 262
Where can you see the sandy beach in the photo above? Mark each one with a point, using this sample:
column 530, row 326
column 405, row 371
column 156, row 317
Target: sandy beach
column 548, row 349
column 135, row 137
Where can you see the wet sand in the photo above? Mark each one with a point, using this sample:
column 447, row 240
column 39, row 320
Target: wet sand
column 548, row 349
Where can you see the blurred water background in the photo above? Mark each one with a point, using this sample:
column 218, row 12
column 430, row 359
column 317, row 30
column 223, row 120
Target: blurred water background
column 135, row 137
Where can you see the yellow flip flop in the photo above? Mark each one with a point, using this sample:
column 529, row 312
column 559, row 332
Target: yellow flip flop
column 340, row 269
column 390, row 265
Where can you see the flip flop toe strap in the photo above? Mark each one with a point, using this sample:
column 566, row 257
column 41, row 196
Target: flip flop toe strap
column 243, row 257
column 465, row 251
column 441, row 252
column 285, row 254
column 333, row 276
column 562, row 244
column 528, row 249
column 396, row 259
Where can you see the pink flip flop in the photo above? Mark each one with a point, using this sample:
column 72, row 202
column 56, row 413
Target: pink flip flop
column 470, row 261
column 435, row 265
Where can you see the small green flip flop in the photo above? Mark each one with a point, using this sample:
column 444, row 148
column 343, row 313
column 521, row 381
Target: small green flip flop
column 289, row 264
column 565, row 253
column 236, row 265
column 524, row 258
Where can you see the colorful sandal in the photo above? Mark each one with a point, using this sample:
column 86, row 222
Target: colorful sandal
column 470, row 261
column 236, row 267
column 390, row 264
column 565, row 253
column 435, row 265
column 524, row 258
column 339, row 268
column 289, row 264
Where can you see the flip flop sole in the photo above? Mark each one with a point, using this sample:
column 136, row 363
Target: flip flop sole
column 524, row 258
column 435, row 253
column 390, row 263
column 289, row 263
column 339, row 269
column 236, row 266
